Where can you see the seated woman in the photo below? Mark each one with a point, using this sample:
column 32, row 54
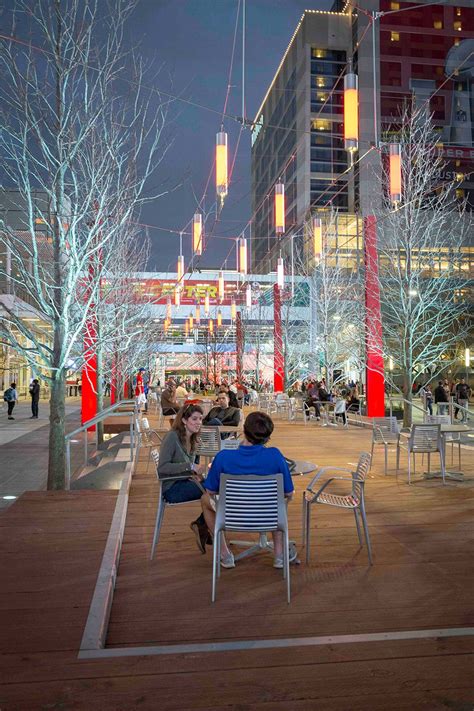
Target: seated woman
column 169, row 404
column 178, row 458
column 252, row 457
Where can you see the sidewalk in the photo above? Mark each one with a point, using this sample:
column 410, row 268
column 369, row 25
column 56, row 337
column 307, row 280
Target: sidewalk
column 24, row 447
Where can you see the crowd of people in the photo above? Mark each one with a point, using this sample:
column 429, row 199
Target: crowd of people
column 457, row 390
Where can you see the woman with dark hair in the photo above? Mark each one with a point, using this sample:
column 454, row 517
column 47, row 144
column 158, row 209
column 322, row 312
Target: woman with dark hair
column 252, row 457
column 178, row 458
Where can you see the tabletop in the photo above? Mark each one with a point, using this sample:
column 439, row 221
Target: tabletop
column 302, row 467
column 457, row 428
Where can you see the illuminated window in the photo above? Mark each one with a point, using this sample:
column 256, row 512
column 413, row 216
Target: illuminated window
column 457, row 26
column 439, row 71
column 319, row 53
column 438, row 24
column 458, row 163
column 394, row 36
column 459, row 193
column 458, row 11
column 322, row 97
column 456, row 41
column 394, row 5
column 321, row 125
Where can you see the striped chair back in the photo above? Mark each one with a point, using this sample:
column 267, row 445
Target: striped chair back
column 425, row 438
column 251, row 503
column 209, row 441
column 360, row 474
column 385, row 429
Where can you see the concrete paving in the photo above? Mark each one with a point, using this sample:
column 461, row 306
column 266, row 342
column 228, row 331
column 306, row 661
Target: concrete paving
column 24, row 448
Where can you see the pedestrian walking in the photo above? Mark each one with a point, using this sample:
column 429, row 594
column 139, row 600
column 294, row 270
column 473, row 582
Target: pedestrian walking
column 463, row 392
column 35, row 396
column 441, row 398
column 10, row 396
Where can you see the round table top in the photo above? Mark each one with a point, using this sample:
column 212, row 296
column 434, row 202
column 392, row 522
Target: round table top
column 302, row 467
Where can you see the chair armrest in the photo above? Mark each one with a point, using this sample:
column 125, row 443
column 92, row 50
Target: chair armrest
column 327, row 482
column 322, row 471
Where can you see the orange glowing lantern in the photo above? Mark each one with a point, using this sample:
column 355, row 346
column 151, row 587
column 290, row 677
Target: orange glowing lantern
column 317, row 238
column 221, row 287
column 186, row 328
column 219, row 318
column 279, row 208
column 280, row 273
column 198, row 314
column 221, row 165
column 395, row 172
column 206, row 304
column 351, row 112
column 211, row 326
column 168, row 308
column 197, row 233
column 242, row 266
column 180, row 268
column 191, row 320
column 166, row 324
column 233, row 309
column 177, row 296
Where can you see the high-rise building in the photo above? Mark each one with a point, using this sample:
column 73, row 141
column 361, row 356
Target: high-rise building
column 416, row 51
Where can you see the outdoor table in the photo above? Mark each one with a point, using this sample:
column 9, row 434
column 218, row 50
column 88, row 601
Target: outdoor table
column 302, row 467
column 450, row 474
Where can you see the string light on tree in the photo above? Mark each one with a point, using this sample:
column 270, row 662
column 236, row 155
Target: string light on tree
column 395, row 166
column 279, row 208
column 221, row 166
column 197, row 233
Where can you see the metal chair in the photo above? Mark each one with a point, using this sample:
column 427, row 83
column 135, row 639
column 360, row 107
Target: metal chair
column 385, row 431
column 449, row 437
column 251, row 503
column 423, row 439
column 354, row 500
column 210, row 442
column 147, row 438
column 162, row 503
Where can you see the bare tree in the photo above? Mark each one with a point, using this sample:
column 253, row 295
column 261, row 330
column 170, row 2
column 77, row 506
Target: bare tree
column 80, row 130
column 423, row 283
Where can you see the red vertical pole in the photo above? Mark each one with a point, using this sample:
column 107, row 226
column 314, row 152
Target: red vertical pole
column 113, row 381
column 375, row 385
column 239, row 338
column 278, row 363
column 89, row 369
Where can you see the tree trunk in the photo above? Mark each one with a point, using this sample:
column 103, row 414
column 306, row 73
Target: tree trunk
column 56, row 463
column 407, row 408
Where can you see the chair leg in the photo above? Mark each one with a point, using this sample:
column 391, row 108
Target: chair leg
column 429, row 462
column 366, row 530
column 398, row 457
column 308, row 530
column 148, row 462
column 215, row 563
column 443, row 464
column 386, row 456
column 286, row 564
column 409, row 467
column 159, row 520
column 219, row 542
column 303, row 521
column 358, row 528
column 372, row 454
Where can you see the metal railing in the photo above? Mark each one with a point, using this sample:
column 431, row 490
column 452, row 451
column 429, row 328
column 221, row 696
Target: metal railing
column 452, row 406
column 112, row 411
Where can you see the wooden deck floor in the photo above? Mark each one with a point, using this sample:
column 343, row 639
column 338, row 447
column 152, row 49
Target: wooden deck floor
column 422, row 578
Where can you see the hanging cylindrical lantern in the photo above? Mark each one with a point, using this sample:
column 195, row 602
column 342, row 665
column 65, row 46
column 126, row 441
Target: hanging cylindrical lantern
column 186, row 328
column 280, row 273
column 206, row 304
column 317, row 238
column 166, row 324
column 191, row 321
column 177, row 296
column 197, row 233
column 168, row 308
column 198, row 314
column 248, row 296
column 279, row 208
column 219, row 318
column 233, row 309
column 211, row 326
column 180, row 268
column 242, row 266
column 351, row 112
column 221, row 165
column 395, row 172
column 221, row 287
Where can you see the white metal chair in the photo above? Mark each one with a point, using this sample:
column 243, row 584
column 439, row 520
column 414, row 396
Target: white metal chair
column 162, row 503
column 423, row 439
column 451, row 438
column 353, row 500
column 251, row 503
column 340, row 412
column 210, row 442
column 147, row 438
column 385, row 432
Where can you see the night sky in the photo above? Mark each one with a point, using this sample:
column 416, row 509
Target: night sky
column 192, row 42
